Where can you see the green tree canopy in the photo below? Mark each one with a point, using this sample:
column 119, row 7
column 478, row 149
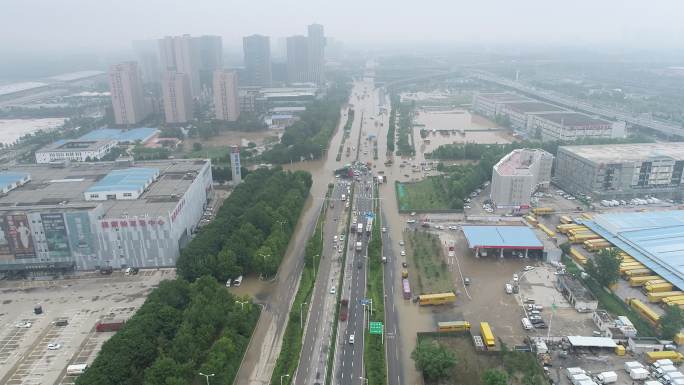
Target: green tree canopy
column 433, row 359
column 494, row 377
column 605, row 267
column 671, row 322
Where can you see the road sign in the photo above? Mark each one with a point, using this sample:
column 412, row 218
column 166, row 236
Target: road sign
column 376, row 328
column 364, row 301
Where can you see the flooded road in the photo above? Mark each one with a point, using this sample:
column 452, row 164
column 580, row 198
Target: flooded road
column 276, row 296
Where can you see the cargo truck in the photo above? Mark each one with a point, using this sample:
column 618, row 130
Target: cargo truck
column 359, row 228
column 76, row 369
column 436, row 299
column 109, row 325
column 344, row 309
column 487, row 335
column 674, row 356
column 369, row 226
column 453, row 326
column 607, row 377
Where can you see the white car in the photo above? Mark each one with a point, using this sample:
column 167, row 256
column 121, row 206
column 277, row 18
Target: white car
column 466, row 207
column 403, row 253
column 413, row 213
column 24, row 324
column 515, row 277
column 332, row 290
column 401, row 243
column 411, row 221
column 528, row 268
column 384, row 229
column 54, row 346
column 351, row 338
column 342, row 237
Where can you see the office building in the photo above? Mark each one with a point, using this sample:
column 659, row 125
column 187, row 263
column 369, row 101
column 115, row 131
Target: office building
column 181, row 54
column 147, row 55
column 257, row 57
column 101, row 214
column 517, row 175
column 75, row 150
column 622, row 171
column 178, row 103
column 297, row 59
column 570, row 126
column 210, row 55
column 128, row 101
column 316, row 53
column 226, row 97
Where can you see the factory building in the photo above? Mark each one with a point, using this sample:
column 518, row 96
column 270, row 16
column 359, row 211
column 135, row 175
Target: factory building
column 570, row 126
column 490, row 104
column 519, row 114
column 622, row 171
column 517, row 175
column 93, row 215
column 75, row 150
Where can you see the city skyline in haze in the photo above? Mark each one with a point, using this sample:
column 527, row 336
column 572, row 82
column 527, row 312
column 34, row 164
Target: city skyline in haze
column 80, row 25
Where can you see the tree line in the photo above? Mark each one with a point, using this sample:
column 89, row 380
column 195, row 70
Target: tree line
column 251, row 230
column 394, row 104
column 182, row 328
column 310, row 136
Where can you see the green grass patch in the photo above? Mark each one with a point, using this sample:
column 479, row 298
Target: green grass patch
column 210, row 152
column 424, row 195
column 374, row 350
column 426, row 258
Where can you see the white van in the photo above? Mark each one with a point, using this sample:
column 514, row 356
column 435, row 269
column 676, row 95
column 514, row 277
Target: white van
column 527, row 325
column 75, row 370
column 228, row 282
column 237, row 281
column 509, row 288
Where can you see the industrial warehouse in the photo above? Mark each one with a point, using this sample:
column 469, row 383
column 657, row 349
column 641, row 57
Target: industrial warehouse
column 89, row 216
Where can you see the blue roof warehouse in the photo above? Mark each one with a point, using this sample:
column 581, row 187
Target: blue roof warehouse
column 501, row 238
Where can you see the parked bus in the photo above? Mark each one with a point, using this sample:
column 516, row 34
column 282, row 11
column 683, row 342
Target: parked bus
column 578, row 257
column 564, row 219
column 641, row 280
column 551, row 234
column 658, row 288
column 487, row 335
column 406, row 289
column 436, row 299
column 542, row 210
column 658, row 297
column 453, row 326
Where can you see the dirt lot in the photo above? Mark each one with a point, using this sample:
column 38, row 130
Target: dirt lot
column 83, row 300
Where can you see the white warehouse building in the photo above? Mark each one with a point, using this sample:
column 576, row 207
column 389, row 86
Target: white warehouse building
column 517, row 175
column 75, row 150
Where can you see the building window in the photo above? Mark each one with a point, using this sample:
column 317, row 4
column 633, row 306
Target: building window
column 128, row 195
column 94, row 195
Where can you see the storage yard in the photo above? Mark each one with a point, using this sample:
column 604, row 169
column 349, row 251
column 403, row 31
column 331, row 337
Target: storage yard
column 38, row 348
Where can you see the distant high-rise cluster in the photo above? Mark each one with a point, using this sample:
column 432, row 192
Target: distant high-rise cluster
column 257, row 51
column 177, row 96
column 128, row 101
column 306, row 56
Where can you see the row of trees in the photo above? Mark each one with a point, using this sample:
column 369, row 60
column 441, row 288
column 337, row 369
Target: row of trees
column 310, row 136
column 405, row 123
column 182, row 328
column 394, row 98
column 251, row 230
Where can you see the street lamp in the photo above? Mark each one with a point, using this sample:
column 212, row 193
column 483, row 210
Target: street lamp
column 301, row 322
column 207, row 376
column 242, row 304
column 281, row 378
column 364, row 379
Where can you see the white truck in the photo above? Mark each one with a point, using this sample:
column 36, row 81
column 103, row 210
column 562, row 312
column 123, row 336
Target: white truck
column 358, row 246
column 607, row 377
column 359, row 228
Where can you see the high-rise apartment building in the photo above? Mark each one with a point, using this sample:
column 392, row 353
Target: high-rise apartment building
column 257, row 51
column 210, row 54
column 177, row 97
column 226, row 98
column 181, row 54
column 297, row 59
column 128, row 101
column 316, row 53
column 147, row 55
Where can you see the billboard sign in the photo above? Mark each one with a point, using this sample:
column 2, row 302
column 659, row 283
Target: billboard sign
column 55, row 231
column 5, row 251
column 80, row 233
column 19, row 234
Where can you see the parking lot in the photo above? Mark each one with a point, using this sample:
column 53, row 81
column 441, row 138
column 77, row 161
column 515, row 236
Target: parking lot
column 34, row 349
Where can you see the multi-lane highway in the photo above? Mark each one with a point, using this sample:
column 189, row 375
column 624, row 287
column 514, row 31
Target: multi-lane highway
column 391, row 284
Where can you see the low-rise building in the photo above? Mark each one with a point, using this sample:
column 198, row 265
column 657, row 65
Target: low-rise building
column 622, row 171
column 519, row 113
column 517, row 175
column 490, row 104
column 570, row 126
column 74, row 150
column 579, row 296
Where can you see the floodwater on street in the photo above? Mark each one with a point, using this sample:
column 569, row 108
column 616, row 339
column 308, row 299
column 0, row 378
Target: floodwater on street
column 13, row 129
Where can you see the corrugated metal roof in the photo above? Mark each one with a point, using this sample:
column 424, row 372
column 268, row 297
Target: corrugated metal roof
column 593, row 342
column 655, row 239
column 142, row 134
column 130, row 179
column 510, row 237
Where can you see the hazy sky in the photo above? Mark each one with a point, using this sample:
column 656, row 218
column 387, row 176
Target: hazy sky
column 111, row 24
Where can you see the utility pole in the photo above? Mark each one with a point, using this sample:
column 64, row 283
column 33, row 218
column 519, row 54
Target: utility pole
column 206, row 376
